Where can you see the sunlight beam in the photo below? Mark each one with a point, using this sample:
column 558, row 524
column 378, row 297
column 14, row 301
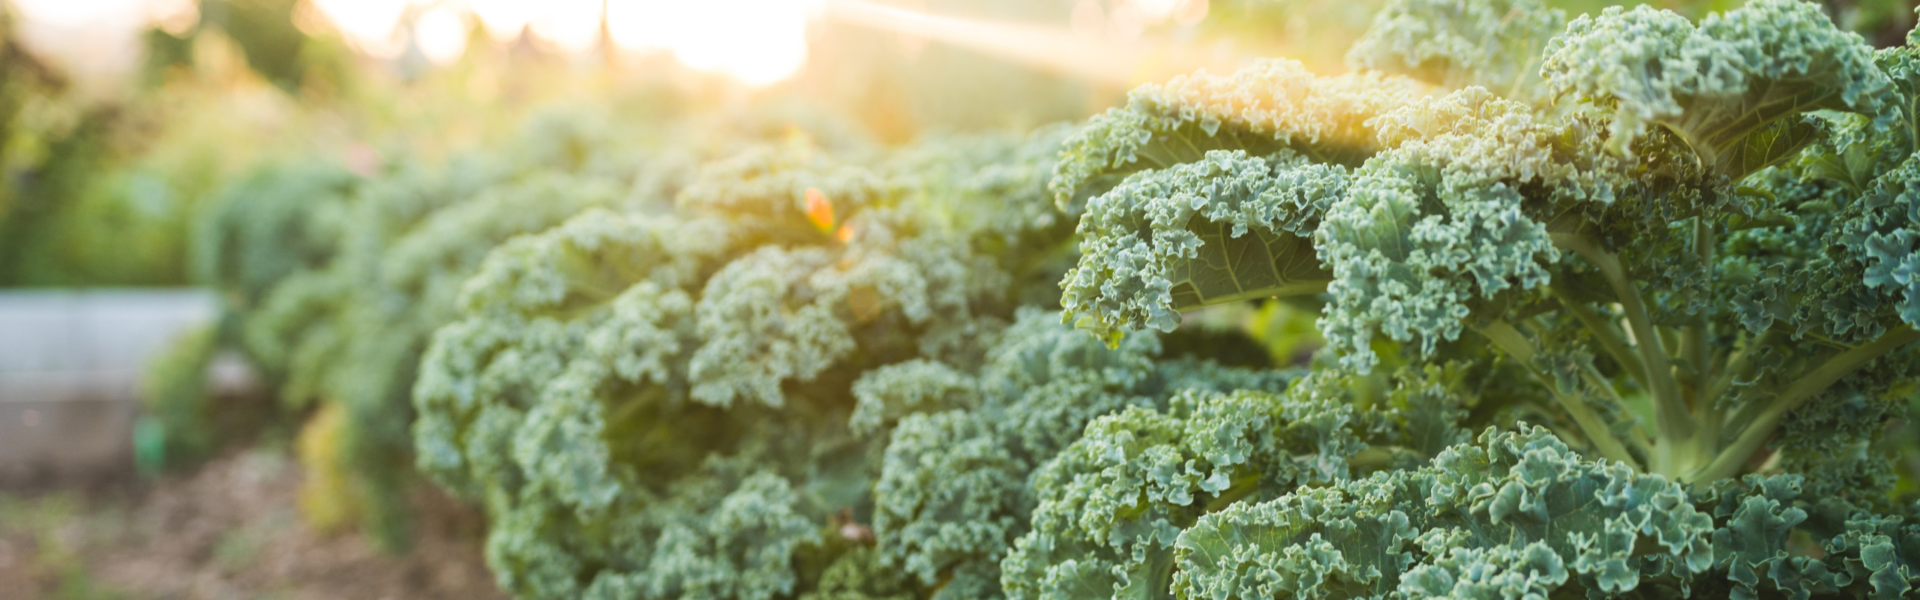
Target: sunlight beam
column 1049, row 48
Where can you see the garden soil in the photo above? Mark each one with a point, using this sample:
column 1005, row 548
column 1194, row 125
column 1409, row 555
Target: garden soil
column 229, row 530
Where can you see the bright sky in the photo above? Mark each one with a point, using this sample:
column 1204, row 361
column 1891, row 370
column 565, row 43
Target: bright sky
column 756, row 41
column 94, row 37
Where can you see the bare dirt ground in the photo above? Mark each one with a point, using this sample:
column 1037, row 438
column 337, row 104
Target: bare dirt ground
column 229, row 530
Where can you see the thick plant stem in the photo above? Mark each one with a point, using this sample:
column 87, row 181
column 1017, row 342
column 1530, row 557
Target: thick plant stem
column 1515, row 344
column 1603, row 331
column 1698, row 336
column 1735, row 366
column 1671, row 416
column 1713, row 420
column 1693, row 348
column 1694, row 342
column 1706, row 439
column 1728, row 462
column 1636, row 437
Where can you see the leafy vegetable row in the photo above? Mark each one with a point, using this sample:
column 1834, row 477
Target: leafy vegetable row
column 1620, row 305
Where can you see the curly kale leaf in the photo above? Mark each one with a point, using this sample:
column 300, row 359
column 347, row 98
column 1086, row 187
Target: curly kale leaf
column 1882, row 237
column 1731, row 88
column 1000, row 182
column 772, row 183
column 494, row 364
column 955, row 485
column 1512, row 514
column 351, row 334
column 1902, row 66
column 718, row 536
column 568, row 412
column 1880, row 553
column 1224, row 228
column 613, row 386
column 948, row 494
column 273, row 223
column 1406, row 244
column 1778, row 539
column 952, row 488
column 1412, row 275
column 1457, row 43
column 859, row 575
column 1477, row 137
column 1271, row 105
column 1438, row 223
column 1113, row 503
column 742, row 549
column 885, row 395
column 755, row 339
column 1516, row 514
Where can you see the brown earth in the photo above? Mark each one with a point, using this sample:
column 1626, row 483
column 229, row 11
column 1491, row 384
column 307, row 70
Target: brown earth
column 229, row 530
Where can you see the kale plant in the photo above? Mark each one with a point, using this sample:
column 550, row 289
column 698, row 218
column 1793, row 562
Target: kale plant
column 1617, row 306
column 336, row 281
column 1689, row 244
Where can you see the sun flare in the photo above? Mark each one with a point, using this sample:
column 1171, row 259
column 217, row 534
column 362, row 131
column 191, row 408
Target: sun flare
column 758, row 42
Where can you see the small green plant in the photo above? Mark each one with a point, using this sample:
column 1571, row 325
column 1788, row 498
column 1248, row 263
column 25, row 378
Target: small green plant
column 177, row 428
